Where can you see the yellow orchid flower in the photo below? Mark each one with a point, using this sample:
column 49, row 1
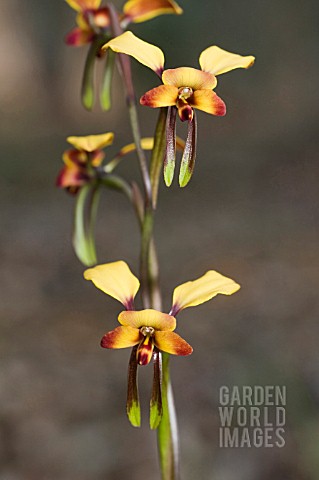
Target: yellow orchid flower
column 82, row 161
column 93, row 20
column 150, row 331
column 184, row 89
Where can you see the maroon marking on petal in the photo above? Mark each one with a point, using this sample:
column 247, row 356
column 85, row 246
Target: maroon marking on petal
column 185, row 113
column 129, row 304
column 145, row 351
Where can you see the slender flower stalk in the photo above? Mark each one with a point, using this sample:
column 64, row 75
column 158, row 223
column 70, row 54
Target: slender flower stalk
column 149, row 332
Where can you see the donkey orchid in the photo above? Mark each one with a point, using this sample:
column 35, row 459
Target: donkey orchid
column 93, row 20
column 151, row 331
column 81, row 162
column 184, row 89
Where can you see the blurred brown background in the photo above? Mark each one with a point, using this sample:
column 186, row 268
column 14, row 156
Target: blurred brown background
column 250, row 211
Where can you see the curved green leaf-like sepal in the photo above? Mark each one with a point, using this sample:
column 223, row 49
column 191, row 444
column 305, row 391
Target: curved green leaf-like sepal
column 158, row 153
column 189, row 155
column 133, row 409
column 84, row 221
column 156, row 408
column 170, row 154
column 106, row 88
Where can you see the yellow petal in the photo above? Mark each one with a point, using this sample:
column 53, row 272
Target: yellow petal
column 145, row 53
column 189, row 77
column 217, row 61
column 115, row 279
column 92, row 142
column 147, row 143
column 141, row 10
column 208, row 101
column 172, row 343
column 82, row 5
column 194, row 293
column 121, row 337
column 148, row 318
column 162, row 96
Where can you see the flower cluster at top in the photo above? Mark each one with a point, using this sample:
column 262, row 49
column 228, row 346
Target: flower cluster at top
column 94, row 20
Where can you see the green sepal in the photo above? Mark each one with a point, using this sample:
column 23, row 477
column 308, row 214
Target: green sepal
column 156, row 408
column 84, row 221
column 170, row 154
column 158, row 153
column 189, row 154
column 87, row 91
column 106, row 87
column 133, row 409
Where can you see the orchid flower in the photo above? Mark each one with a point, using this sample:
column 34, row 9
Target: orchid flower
column 82, row 161
column 93, row 20
column 184, row 89
column 150, row 331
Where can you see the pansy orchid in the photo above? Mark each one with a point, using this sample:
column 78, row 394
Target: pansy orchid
column 82, row 164
column 93, row 19
column 82, row 161
column 150, row 331
column 184, row 89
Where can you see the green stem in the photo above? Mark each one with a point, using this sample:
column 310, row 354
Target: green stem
column 167, row 432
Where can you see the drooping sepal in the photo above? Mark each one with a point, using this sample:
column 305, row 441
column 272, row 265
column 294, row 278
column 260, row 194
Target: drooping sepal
column 158, row 153
column 84, row 221
column 133, row 409
column 170, row 153
column 189, row 155
column 156, row 407
column 106, row 87
column 87, row 91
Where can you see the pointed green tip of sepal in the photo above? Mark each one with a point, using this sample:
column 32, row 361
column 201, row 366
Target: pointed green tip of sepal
column 134, row 414
column 155, row 415
column 105, row 102
column 88, row 99
column 184, row 176
column 169, row 173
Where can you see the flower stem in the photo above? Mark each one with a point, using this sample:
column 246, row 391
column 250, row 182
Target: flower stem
column 167, row 432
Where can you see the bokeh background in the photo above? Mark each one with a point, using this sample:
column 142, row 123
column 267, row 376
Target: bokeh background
column 250, row 211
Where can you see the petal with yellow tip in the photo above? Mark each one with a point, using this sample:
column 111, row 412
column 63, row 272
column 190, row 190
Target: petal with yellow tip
column 145, row 53
column 142, row 10
column 82, row 5
column 189, row 77
column 208, row 101
column 217, row 61
column 92, row 142
column 194, row 293
column 115, row 279
column 148, row 318
column 172, row 343
column 162, row 96
column 121, row 337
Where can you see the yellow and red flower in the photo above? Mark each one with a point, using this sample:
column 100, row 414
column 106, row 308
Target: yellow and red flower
column 82, row 161
column 93, row 19
column 150, row 331
column 184, row 89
